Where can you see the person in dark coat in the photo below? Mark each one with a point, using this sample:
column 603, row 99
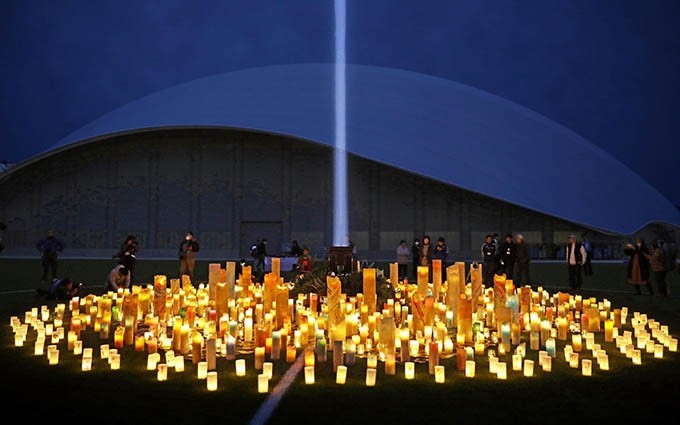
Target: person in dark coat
column 507, row 256
column 489, row 257
column 522, row 261
column 187, row 255
column 638, row 265
column 415, row 256
column 49, row 247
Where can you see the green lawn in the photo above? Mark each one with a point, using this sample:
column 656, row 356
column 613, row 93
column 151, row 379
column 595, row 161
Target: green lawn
column 37, row 391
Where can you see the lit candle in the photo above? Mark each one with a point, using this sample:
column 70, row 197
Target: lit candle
column 341, row 374
column 291, row 353
column 259, row 357
column 268, row 369
column 528, row 368
column 371, row 374
column 502, row 370
column 115, row 361
column 152, row 360
column 439, row 376
column 309, row 374
column 202, row 370
column 162, row 372
column 573, row 360
column 470, row 368
column 86, row 364
column 211, row 381
column 390, row 364
column 240, row 365
column 516, row 362
column 550, row 347
column 262, row 383
column 409, row 370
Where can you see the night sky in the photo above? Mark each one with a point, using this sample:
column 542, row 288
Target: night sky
column 608, row 70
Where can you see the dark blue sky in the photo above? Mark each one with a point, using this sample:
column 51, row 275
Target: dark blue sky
column 608, row 70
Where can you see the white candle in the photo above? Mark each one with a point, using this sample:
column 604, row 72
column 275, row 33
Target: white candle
column 528, row 368
column 502, row 370
column 179, row 363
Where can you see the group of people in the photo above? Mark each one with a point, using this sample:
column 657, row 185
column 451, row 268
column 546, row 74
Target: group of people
column 510, row 257
column 421, row 253
column 645, row 261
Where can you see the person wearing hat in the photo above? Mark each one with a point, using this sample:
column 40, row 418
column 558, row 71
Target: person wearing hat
column 576, row 256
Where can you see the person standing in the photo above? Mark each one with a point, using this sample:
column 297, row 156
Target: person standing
column 576, row 255
column 260, row 257
column 441, row 252
column 490, row 261
column 522, row 261
column 304, row 261
column 415, row 256
column 658, row 266
column 127, row 253
column 50, row 248
column 295, row 249
column 187, row 255
column 425, row 256
column 403, row 258
column 638, row 266
column 508, row 256
column 588, row 263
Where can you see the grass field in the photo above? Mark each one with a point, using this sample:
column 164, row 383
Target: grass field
column 36, row 391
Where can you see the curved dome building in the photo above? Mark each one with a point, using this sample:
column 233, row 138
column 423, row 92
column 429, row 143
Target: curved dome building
column 249, row 154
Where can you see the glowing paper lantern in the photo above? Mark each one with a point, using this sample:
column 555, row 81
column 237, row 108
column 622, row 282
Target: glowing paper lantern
column 211, row 380
column 439, row 376
column 309, row 374
column 115, row 361
column 86, row 364
column 268, row 369
column 371, row 374
column 240, row 365
column 179, row 363
column 409, row 370
column 587, row 367
column 152, row 361
column 502, row 370
column 262, row 383
column 528, row 368
column 470, row 368
column 341, row 374
column 202, row 370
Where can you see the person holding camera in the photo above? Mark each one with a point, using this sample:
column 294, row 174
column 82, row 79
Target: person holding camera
column 187, row 255
column 127, row 254
column 61, row 289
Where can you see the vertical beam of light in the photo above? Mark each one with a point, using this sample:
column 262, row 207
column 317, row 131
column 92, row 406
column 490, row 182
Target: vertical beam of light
column 340, row 210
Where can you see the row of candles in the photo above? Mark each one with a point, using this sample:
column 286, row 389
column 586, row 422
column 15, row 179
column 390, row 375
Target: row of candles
column 231, row 317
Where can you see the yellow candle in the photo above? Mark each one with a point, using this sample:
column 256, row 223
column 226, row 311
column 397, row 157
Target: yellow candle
column 202, row 370
column 439, row 376
column 262, row 383
column 371, row 374
column 341, row 374
column 409, row 370
column 211, row 381
column 502, row 370
column 291, row 353
column 587, row 367
column 240, row 365
column 528, row 368
column 470, row 368
column 309, row 374
column 259, row 357
column 390, row 364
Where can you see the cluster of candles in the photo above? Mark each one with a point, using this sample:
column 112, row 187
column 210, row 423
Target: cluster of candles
column 425, row 322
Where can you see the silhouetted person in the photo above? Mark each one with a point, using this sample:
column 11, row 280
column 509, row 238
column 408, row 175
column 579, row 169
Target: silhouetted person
column 576, row 256
column 61, row 289
column 507, row 256
column 187, row 255
column 49, row 247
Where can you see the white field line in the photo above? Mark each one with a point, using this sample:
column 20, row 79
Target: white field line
column 267, row 408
